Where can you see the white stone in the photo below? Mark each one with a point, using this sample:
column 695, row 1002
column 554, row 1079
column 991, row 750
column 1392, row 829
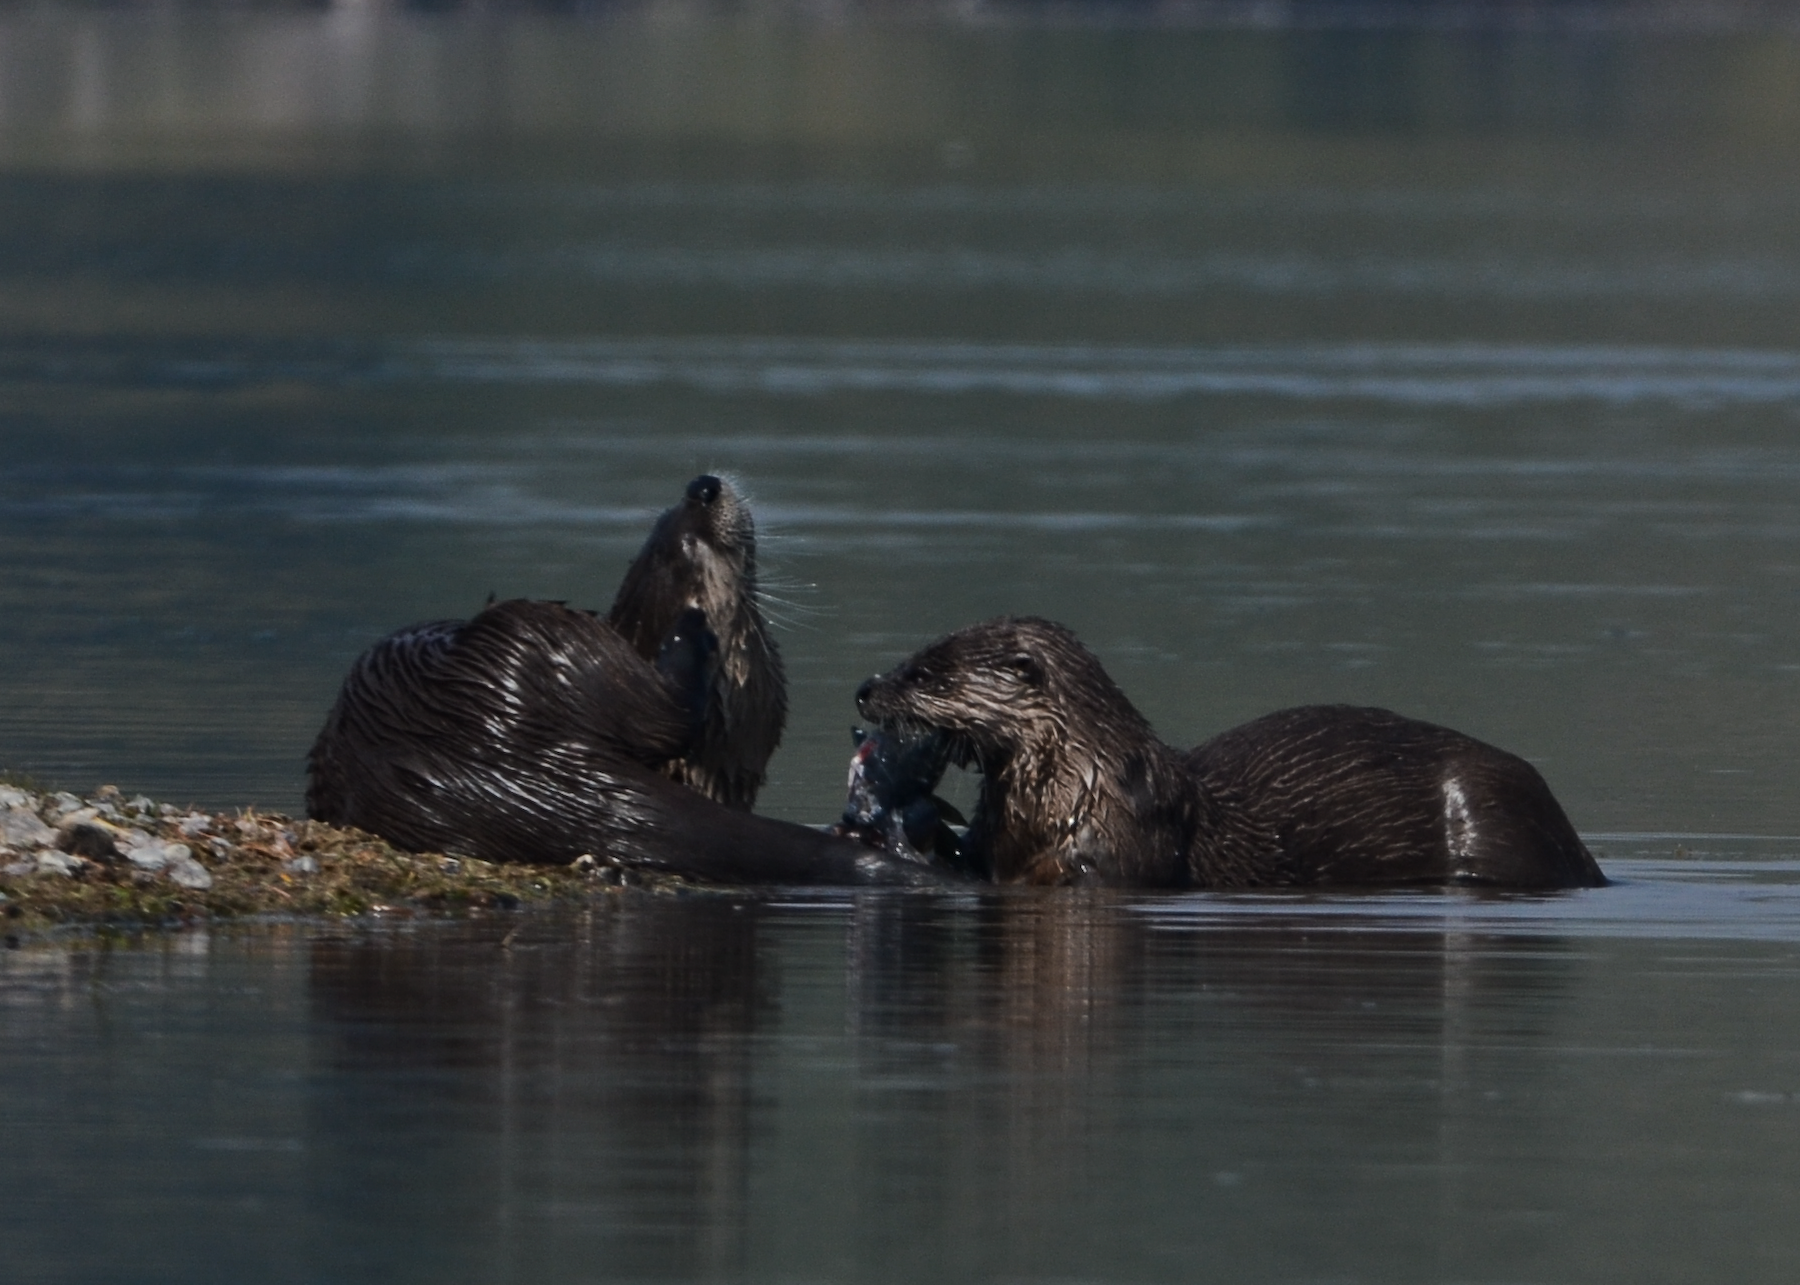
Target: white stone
column 152, row 854
column 57, row 863
column 186, row 871
column 20, row 828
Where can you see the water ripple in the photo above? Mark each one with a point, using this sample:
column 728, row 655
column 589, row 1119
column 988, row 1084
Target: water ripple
column 1469, row 375
column 1739, row 900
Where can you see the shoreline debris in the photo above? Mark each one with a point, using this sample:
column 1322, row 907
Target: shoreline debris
column 106, row 858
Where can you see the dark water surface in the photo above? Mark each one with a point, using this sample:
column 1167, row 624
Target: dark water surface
column 1603, row 1086
column 1454, row 371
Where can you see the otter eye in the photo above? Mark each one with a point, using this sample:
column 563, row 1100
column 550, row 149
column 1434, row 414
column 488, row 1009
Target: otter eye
column 1027, row 667
column 704, row 489
column 916, row 675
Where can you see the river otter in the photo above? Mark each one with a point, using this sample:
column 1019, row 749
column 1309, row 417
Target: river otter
column 701, row 555
column 535, row 732
column 1076, row 787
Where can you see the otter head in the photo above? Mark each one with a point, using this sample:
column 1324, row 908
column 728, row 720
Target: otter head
column 985, row 690
column 701, row 557
column 1024, row 702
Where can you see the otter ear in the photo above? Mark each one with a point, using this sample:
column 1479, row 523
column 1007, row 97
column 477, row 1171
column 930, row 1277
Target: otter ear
column 1027, row 667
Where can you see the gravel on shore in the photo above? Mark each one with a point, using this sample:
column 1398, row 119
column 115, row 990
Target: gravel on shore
column 106, row 858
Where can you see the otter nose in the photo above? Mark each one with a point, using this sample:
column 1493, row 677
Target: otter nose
column 862, row 695
column 704, row 489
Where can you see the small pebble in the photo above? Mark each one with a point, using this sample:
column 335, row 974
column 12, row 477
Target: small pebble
column 194, row 823
column 306, row 865
column 154, row 854
column 52, row 862
column 142, row 803
column 188, row 872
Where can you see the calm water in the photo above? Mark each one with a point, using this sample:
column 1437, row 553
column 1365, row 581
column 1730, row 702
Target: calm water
column 1455, row 371
column 1601, row 1087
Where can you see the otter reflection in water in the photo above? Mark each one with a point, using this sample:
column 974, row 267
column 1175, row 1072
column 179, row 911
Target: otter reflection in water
column 1076, row 787
column 891, row 1087
column 535, row 732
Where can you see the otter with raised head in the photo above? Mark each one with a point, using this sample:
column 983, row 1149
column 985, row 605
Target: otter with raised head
column 701, row 556
column 1077, row 788
column 535, row 732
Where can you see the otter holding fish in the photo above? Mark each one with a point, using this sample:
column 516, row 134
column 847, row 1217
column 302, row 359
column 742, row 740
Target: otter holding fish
column 1077, row 788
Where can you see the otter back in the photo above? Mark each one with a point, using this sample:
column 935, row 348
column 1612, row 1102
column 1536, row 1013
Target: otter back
column 495, row 736
column 536, row 733
column 1367, row 796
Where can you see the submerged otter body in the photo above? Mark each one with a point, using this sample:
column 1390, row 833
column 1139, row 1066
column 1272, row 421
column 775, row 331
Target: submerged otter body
column 1076, row 787
column 1367, row 796
column 534, row 732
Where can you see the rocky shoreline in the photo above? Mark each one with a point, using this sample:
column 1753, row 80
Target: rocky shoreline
column 105, row 858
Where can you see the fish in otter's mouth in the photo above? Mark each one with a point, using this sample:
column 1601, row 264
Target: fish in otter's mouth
column 891, row 804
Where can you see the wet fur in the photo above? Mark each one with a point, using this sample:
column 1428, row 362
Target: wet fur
column 701, row 554
column 531, row 733
column 699, row 562
column 535, row 732
column 1077, row 788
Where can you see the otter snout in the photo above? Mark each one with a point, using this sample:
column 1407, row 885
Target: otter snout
column 876, row 699
column 704, row 489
